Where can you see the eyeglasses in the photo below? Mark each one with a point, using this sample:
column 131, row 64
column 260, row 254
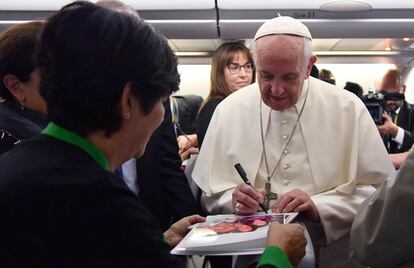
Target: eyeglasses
column 235, row 68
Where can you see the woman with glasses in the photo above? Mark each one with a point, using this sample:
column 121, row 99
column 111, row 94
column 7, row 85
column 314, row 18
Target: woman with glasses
column 232, row 68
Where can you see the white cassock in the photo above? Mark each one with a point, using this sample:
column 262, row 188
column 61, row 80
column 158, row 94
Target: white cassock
column 336, row 154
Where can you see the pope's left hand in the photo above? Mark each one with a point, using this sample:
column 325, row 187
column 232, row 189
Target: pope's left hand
column 185, row 154
column 297, row 201
column 178, row 230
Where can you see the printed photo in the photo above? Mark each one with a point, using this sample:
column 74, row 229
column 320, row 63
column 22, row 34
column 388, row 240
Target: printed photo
column 242, row 224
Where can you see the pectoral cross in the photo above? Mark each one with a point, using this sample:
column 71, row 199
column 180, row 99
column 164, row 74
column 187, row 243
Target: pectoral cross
column 269, row 195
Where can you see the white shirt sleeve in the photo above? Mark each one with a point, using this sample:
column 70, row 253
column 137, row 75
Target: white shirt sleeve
column 129, row 169
column 220, row 203
column 400, row 137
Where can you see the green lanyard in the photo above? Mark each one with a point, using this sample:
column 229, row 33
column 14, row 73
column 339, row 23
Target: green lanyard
column 70, row 137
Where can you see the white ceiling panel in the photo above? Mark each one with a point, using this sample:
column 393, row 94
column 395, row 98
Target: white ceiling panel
column 210, row 4
column 382, row 44
column 353, row 44
column 186, row 29
column 33, row 4
column 360, row 28
column 324, row 44
column 398, row 60
column 358, row 44
column 138, row 4
column 170, row 4
column 205, row 45
column 307, row 4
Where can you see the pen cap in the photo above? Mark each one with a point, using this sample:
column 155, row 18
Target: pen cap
column 240, row 170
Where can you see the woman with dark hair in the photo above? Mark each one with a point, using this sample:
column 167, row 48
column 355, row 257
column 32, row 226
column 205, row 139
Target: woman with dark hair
column 104, row 75
column 232, row 68
column 22, row 109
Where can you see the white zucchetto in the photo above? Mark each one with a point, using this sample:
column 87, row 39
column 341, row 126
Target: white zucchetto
column 283, row 25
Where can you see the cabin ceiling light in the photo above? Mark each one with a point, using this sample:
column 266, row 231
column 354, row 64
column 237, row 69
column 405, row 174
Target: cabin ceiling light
column 179, row 21
column 14, row 21
column 191, row 54
column 343, row 6
column 356, row 53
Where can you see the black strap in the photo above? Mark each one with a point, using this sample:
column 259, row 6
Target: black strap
column 7, row 141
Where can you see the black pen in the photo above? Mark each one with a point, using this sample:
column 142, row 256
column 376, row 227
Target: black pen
column 243, row 175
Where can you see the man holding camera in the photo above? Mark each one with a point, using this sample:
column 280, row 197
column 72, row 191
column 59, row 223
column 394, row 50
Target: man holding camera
column 398, row 128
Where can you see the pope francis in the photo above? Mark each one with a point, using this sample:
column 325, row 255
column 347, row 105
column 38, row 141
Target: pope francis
column 306, row 146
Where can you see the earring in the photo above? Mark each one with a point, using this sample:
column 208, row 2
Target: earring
column 127, row 116
column 22, row 104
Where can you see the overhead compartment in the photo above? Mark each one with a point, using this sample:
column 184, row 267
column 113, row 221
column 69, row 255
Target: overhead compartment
column 229, row 19
column 325, row 19
column 178, row 19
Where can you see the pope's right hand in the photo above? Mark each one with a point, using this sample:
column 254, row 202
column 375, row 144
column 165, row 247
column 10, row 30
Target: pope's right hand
column 246, row 200
column 290, row 238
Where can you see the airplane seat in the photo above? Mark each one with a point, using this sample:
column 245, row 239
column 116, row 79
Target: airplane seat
column 195, row 190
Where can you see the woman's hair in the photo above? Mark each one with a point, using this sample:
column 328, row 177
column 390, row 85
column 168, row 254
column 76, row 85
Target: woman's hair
column 17, row 51
column 222, row 57
column 88, row 54
column 354, row 88
column 327, row 76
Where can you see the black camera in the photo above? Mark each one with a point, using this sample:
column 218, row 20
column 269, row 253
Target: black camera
column 376, row 103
